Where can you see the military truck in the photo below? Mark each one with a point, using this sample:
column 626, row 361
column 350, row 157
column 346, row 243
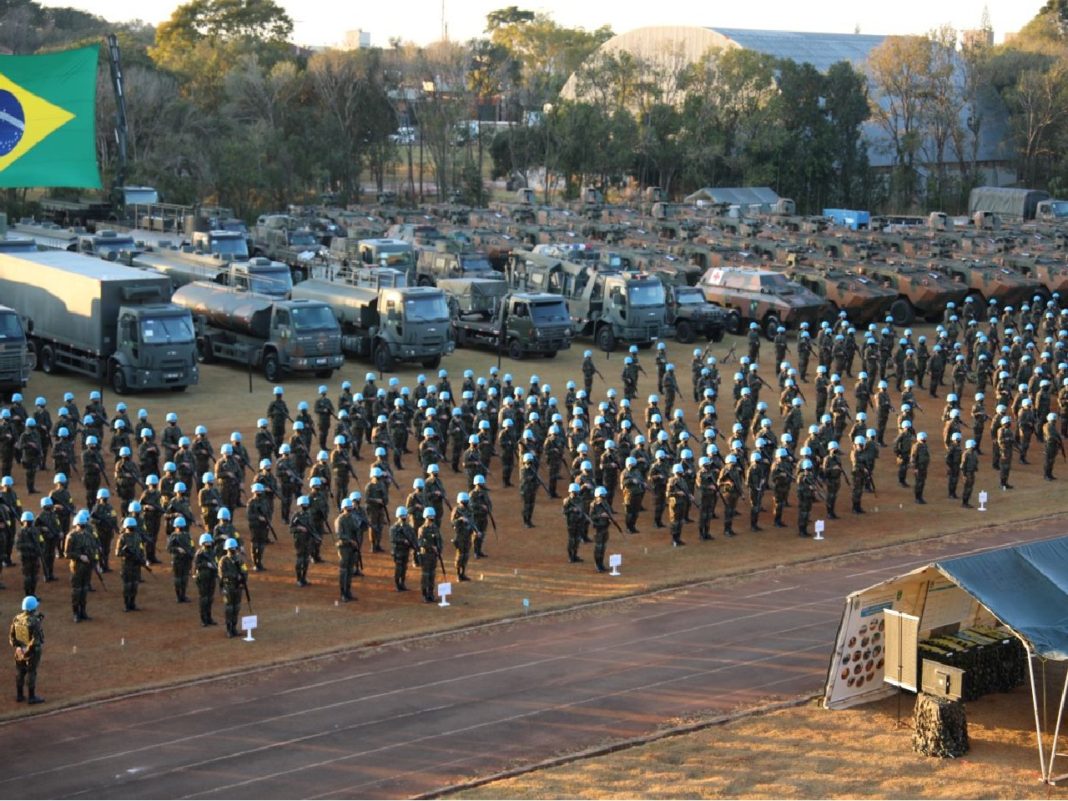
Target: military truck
column 765, row 297
column 278, row 336
column 15, row 362
column 861, row 298
column 48, row 235
column 450, row 262
column 279, row 238
column 984, row 280
column 520, row 323
column 100, row 319
column 184, row 266
column 385, row 320
column 225, row 244
column 609, row 305
column 1006, row 202
column 107, row 244
column 921, row 292
column 692, row 315
column 374, row 252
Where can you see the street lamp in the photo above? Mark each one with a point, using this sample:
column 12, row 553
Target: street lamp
column 547, row 111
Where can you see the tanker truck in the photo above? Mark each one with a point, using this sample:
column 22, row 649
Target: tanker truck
column 389, row 324
column 101, row 319
column 277, row 336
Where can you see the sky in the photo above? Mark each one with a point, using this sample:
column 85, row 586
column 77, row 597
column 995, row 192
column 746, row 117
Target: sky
column 323, row 22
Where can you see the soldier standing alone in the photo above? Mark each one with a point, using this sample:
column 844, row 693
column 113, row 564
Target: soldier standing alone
column 26, row 636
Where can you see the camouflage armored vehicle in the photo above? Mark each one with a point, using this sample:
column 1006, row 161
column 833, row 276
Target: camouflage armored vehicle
column 984, row 280
column 765, row 297
column 1052, row 274
column 861, row 298
column 920, row 292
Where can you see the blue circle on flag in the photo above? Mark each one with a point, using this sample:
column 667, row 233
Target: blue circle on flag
column 12, row 122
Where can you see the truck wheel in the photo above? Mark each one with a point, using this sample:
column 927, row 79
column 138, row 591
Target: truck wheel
column 550, row 354
column 383, row 359
column 424, row 281
column 901, row 311
column 272, row 370
column 606, row 340
column 734, row 323
column 515, row 350
column 182, row 388
column 204, row 351
column 717, row 334
column 684, row 332
column 31, row 355
column 771, row 327
column 118, row 380
column 298, row 276
column 433, row 363
column 48, row 360
column 324, row 373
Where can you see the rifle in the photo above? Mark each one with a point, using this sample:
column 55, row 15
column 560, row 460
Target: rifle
column 730, row 355
column 612, row 517
column 869, row 481
column 389, row 475
column 597, row 373
column 271, row 529
column 497, row 536
column 544, row 486
column 99, row 573
column 244, row 586
column 380, row 502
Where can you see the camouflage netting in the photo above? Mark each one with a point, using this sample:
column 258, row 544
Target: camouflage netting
column 941, row 729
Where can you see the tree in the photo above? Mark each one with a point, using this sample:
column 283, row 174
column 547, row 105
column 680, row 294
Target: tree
column 943, row 106
column 204, row 38
column 846, row 102
column 899, row 69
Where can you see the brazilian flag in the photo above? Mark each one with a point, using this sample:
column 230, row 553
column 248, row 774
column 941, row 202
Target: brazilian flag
column 48, row 120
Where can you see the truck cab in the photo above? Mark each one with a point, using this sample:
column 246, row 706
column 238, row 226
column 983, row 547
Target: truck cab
column 227, row 245
column 395, row 254
column 261, row 275
column 14, row 357
column 108, row 245
column 445, row 262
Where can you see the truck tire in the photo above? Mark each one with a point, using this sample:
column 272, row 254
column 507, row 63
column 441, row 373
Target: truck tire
column 181, row 388
column 515, row 350
column 48, row 360
column 717, row 334
column 901, row 311
column 118, row 379
column 684, row 332
column 606, row 340
column 205, row 355
column 433, row 363
column 32, row 355
column 734, row 323
column 383, row 358
column 424, row 280
column 550, row 354
column 324, row 373
column 272, row 370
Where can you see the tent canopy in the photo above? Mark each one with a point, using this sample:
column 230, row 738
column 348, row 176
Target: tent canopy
column 1025, row 587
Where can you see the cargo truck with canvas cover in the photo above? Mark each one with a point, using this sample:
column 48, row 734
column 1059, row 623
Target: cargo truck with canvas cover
column 608, row 305
column 101, row 319
column 388, row 324
column 277, row 336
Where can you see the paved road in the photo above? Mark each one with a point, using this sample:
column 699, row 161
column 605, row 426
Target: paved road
column 407, row 718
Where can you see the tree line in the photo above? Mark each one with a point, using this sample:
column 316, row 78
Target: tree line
column 222, row 107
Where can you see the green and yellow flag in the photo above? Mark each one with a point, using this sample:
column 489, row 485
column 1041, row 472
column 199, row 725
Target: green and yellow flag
column 48, row 119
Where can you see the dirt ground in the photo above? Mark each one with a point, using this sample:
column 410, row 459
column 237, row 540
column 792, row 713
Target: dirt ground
column 117, row 652
column 809, row 752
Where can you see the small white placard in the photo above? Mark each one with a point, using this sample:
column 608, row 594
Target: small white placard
column 248, row 623
column 820, row 527
column 445, row 590
column 614, row 561
column 982, row 501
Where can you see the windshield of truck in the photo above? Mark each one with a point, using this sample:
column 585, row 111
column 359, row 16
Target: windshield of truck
column 1059, row 208
column 647, row 293
column 475, row 264
column 271, row 282
column 10, row 326
column 549, row 313
column 426, row 309
column 313, row 318
column 775, row 284
column 303, row 239
column 114, row 244
column 235, row 247
column 689, row 297
column 166, row 330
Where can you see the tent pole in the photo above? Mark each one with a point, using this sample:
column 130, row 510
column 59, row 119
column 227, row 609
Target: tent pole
column 1038, row 724
column 1056, row 733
